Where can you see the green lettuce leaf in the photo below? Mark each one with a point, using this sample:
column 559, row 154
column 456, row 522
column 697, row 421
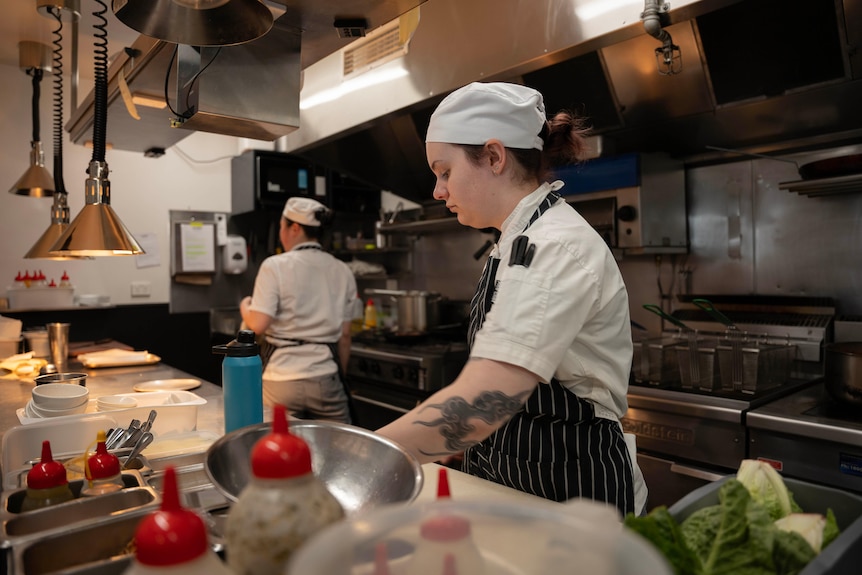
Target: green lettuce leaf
column 767, row 487
column 740, row 534
column 791, row 552
column 662, row 530
column 831, row 531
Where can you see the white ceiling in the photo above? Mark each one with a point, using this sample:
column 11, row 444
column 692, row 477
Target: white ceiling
column 21, row 21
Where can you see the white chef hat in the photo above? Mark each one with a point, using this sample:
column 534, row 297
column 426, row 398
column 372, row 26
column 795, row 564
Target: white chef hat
column 303, row 211
column 478, row 112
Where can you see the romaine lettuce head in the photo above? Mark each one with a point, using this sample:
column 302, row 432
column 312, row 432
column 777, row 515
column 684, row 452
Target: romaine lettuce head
column 734, row 537
column 662, row 530
column 766, row 487
column 809, row 525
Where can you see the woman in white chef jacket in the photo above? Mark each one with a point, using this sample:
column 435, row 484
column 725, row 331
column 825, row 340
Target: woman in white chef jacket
column 537, row 405
column 302, row 303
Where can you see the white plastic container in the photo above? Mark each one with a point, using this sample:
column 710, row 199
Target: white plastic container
column 37, row 342
column 37, row 297
column 513, row 538
column 177, row 411
column 68, row 435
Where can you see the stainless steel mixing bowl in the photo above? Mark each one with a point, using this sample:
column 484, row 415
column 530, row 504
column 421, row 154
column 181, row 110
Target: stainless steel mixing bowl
column 360, row 468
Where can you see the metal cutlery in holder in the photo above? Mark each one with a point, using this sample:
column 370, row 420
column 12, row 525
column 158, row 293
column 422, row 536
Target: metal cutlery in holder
column 752, row 365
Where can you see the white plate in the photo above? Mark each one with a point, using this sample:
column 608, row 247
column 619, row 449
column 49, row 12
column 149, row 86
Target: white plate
column 167, row 385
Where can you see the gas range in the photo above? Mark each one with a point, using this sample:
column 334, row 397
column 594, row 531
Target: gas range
column 424, row 364
column 390, row 376
column 809, row 436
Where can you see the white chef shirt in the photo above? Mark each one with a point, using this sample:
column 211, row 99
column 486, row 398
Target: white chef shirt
column 567, row 314
column 309, row 294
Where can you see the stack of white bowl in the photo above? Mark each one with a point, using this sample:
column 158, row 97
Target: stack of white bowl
column 57, row 399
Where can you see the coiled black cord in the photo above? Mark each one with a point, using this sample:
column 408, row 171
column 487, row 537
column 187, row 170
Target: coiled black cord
column 37, row 78
column 100, row 120
column 59, row 184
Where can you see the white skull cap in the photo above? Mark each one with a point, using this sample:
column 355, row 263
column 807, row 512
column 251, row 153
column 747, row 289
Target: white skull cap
column 478, row 112
column 303, row 211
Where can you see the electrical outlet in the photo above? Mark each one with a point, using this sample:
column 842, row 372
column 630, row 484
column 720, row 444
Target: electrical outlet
column 140, row 289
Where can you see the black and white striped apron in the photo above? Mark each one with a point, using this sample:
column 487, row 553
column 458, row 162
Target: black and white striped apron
column 555, row 446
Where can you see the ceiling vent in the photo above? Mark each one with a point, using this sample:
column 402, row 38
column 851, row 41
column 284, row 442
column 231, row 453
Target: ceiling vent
column 381, row 46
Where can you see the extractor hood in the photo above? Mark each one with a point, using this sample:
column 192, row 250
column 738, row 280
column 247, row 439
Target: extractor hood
column 757, row 77
column 250, row 90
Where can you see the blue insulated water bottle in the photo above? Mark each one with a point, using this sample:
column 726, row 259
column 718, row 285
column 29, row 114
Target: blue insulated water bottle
column 242, row 381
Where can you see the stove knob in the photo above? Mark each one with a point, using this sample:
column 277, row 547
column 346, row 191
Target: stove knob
column 398, row 372
column 413, row 376
column 363, row 365
column 374, row 368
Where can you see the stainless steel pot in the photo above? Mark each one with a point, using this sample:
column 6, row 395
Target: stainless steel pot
column 418, row 311
column 843, row 372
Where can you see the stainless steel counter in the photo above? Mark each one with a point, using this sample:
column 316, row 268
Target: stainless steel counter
column 109, row 381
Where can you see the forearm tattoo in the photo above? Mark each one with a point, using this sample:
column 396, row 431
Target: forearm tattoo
column 455, row 413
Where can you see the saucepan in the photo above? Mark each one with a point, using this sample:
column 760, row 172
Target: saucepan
column 418, row 311
column 843, row 372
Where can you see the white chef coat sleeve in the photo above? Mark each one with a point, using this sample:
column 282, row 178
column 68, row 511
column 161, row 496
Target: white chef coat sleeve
column 539, row 310
column 265, row 297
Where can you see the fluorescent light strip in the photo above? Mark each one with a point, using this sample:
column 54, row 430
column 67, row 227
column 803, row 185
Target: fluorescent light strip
column 365, row 80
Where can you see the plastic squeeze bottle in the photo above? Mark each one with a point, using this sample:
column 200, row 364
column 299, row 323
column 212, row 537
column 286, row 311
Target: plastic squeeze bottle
column 446, row 543
column 173, row 540
column 101, row 470
column 370, row 315
column 280, row 508
column 46, row 483
column 242, row 381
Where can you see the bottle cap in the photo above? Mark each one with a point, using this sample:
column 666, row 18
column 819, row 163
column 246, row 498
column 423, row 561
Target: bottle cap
column 442, row 484
column 444, row 527
column 280, row 455
column 102, row 464
column 47, row 473
column 243, row 346
column 172, row 535
column 370, row 302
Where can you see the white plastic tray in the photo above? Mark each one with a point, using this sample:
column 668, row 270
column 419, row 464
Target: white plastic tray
column 177, row 411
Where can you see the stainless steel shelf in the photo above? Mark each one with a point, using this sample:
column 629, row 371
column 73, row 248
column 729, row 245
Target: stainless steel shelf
column 423, row 226
column 825, row 186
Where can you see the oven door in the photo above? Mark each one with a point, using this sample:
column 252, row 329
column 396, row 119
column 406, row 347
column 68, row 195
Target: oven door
column 376, row 404
column 669, row 481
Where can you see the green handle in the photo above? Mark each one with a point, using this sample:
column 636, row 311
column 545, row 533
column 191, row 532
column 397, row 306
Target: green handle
column 660, row 312
column 707, row 306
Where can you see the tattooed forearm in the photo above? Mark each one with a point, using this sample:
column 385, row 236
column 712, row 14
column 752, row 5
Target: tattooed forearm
column 455, row 413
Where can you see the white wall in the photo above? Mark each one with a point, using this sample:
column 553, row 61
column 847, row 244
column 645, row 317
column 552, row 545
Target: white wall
column 143, row 191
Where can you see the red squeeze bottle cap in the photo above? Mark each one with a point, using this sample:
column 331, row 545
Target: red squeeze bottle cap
column 65, row 276
column 449, row 565
column 47, row 473
column 280, row 455
column 444, row 527
column 102, row 464
column 442, row 483
column 381, row 563
column 19, row 277
column 172, row 535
